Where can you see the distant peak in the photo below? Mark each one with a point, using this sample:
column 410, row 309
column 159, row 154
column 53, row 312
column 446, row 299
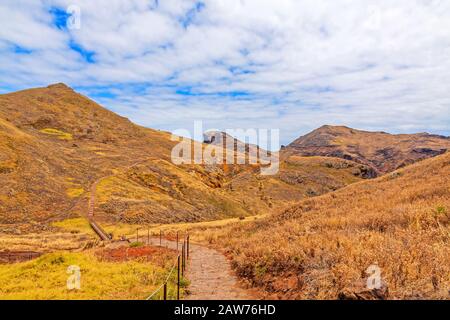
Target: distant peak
column 59, row 85
column 328, row 128
column 213, row 136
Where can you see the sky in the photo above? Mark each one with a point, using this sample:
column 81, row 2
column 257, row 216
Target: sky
column 292, row 65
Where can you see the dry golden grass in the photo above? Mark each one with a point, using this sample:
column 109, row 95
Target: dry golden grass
column 58, row 133
column 46, row 241
column 323, row 245
column 46, row 277
column 200, row 232
column 81, row 226
column 70, row 234
column 75, row 225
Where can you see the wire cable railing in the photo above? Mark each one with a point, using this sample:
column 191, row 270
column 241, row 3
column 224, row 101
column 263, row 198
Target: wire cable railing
column 179, row 265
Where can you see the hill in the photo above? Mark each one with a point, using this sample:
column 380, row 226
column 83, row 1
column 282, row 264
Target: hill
column 382, row 151
column 322, row 247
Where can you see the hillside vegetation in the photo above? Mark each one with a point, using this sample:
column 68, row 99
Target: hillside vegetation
column 322, row 247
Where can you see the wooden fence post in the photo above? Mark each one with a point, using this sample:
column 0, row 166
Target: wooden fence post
column 165, row 291
column 177, row 241
column 178, row 279
column 187, row 253
column 182, row 259
column 160, row 238
column 148, row 235
column 137, row 234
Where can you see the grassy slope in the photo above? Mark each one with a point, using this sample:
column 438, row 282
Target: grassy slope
column 297, row 179
column 54, row 144
column 323, row 245
column 45, row 278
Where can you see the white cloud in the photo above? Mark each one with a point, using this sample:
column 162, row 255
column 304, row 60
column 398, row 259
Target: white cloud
column 287, row 64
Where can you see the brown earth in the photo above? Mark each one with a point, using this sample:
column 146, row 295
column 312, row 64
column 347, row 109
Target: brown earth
column 17, row 256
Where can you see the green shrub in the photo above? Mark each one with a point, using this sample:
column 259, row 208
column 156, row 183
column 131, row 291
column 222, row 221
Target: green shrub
column 136, row 244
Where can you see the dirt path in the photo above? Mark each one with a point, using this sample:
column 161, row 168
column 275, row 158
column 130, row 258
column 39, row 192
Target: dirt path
column 210, row 274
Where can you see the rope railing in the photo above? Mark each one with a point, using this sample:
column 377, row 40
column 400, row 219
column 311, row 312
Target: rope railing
column 164, row 285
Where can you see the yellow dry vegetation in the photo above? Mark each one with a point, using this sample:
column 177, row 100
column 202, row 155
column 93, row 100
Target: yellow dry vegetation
column 47, row 241
column 46, row 278
column 75, row 225
column 74, row 192
column 206, row 232
column 118, row 187
column 82, row 226
column 58, row 133
column 323, row 246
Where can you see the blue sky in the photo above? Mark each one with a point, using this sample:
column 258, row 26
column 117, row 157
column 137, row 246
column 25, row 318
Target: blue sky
column 292, row 65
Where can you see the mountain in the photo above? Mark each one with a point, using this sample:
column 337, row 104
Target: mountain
column 322, row 247
column 56, row 145
column 383, row 152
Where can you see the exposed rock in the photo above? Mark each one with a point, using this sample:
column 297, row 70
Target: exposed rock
column 360, row 292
